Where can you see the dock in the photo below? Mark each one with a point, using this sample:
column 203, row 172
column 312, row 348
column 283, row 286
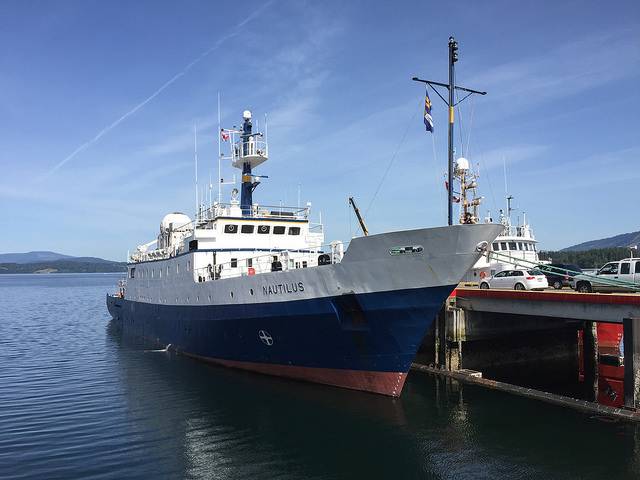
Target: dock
column 481, row 329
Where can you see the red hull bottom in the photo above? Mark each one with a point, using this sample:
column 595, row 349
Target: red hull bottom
column 384, row 383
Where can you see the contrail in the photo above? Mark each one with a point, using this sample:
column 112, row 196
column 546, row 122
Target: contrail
column 166, row 85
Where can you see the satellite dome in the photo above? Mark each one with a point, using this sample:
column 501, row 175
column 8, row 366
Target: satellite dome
column 462, row 164
column 246, row 115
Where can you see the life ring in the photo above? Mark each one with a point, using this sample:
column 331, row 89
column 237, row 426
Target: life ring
column 483, row 274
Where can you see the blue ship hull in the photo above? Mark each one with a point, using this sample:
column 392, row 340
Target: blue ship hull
column 360, row 341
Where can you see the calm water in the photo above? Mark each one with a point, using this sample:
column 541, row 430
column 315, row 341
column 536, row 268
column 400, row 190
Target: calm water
column 76, row 401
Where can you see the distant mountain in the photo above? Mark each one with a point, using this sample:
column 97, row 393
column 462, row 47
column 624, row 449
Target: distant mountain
column 623, row 240
column 46, row 256
column 63, row 266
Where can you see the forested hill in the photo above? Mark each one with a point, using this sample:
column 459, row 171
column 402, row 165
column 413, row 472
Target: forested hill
column 623, row 240
column 63, row 266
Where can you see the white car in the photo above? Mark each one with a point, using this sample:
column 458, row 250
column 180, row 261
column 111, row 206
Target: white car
column 520, row 279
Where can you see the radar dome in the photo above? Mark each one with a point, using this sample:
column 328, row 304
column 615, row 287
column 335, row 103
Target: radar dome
column 246, row 115
column 174, row 221
column 462, row 164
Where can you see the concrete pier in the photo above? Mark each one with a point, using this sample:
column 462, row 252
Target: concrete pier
column 488, row 330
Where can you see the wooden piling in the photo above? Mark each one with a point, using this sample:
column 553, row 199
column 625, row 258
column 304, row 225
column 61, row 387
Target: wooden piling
column 591, row 359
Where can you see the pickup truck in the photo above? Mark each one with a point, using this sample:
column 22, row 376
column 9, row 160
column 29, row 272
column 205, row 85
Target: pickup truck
column 620, row 276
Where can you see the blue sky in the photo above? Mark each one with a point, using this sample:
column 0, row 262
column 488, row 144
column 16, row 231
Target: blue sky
column 98, row 102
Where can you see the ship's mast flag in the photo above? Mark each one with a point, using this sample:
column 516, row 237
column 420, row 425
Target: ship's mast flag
column 428, row 119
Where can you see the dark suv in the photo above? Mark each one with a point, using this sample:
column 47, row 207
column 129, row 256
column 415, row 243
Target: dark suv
column 559, row 274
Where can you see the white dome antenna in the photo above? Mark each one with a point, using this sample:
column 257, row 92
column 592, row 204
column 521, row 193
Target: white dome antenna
column 246, row 115
column 462, row 164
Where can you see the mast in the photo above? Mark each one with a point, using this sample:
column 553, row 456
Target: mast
column 451, row 103
column 453, row 58
column 246, row 154
column 195, row 157
column 219, row 154
column 246, row 194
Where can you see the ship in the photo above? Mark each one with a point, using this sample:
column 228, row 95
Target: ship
column 514, row 247
column 256, row 287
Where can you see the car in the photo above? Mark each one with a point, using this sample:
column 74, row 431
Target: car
column 560, row 274
column 518, row 279
column 619, row 276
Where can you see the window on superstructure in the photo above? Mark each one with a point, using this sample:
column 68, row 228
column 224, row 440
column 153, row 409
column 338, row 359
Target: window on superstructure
column 231, row 228
column 625, row 268
column 152, row 273
column 278, row 230
column 495, row 246
column 512, row 245
column 263, row 229
column 177, row 268
column 234, row 262
column 246, row 229
column 520, row 247
column 304, row 264
column 132, row 272
column 188, row 264
column 160, row 272
column 294, row 230
column 503, row 245
column 249, row 262
column 167, row 270
column 637, row 267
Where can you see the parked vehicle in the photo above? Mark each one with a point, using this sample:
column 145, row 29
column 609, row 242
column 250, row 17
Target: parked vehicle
column 620, row 276
column 560, row 274
column 520, row 279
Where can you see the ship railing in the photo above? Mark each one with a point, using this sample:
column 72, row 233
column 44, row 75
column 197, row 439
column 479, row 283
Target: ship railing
column 518, row 231
column 250, row 148
column 257, row 211
column 273, row 261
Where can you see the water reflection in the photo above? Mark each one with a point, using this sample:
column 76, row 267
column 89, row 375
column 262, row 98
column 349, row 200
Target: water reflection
column 230, row 423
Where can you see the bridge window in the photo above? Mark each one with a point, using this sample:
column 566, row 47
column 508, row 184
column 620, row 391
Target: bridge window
column 520, row 246
column 495, row 246
column 637, row 267
column 264, row 229
column 132, row 272
column 625, row 268
column 278, row 230
column 246, row 228
column 304, row 264
column 503, row 245
column 231, row 228
column 234, row 262
column 249, row 262
column 294, row 230
column 512, row 245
